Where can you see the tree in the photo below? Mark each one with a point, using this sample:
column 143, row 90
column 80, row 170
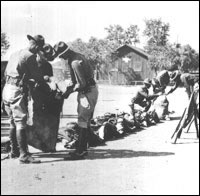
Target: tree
column 157, row 32
column 132, row 36
column 160, row 57
column 79, row 46
column 186, row 58
column 116, row 34
column 4, row 43
column 120, row 36
column 160, row 51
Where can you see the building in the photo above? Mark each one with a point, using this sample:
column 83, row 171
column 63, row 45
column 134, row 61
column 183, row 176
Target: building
column 130, row 66
column 60, row 70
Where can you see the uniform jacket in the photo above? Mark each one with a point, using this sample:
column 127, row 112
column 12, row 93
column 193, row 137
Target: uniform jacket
column 80, row 70
column 23, row 62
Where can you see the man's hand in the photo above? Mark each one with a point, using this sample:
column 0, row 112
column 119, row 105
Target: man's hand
column 46, row 78
column 77, row 87
column 170, row 91
column 52, row 85
column 69, row 90
column 58, row 96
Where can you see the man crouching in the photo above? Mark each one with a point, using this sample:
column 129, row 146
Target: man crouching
column 141, row 102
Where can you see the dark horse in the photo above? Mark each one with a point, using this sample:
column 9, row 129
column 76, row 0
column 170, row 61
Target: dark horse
column 43, row 117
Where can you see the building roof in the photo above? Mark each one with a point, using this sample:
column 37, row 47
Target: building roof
column 134, row 49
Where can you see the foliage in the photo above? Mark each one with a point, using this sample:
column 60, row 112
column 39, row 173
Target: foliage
column 161, row 57
column 162, row 54
column 157, row 32
column 120, row 36
column 186, row 58
column 4, row 43
column 160, row 51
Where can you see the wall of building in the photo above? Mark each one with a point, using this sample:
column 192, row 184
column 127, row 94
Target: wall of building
column 129, row 68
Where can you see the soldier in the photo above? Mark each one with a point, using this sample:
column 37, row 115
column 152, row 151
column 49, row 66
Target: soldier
column 44, row 56
column 41, row 94
column 82, row 76
column 160, row 82
column 185, row 79
column 142, row 100
column 21, row 67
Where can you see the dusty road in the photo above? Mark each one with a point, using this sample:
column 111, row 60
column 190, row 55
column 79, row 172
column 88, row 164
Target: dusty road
column 141, row 163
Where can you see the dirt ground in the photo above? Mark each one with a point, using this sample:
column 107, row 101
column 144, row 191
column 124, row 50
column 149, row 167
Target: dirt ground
column 142, row 163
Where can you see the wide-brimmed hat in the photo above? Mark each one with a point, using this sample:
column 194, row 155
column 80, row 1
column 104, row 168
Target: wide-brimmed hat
column 49, row 52
column 39, row 39
column 60, row 48
column 155, row 82
column 175, row 75
column 147, row 81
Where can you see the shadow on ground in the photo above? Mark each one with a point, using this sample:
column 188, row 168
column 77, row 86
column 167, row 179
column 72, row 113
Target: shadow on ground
column 102, row 154
column 175, row 118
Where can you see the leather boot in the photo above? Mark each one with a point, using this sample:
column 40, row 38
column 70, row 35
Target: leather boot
column 21, row 139
column 81, row 150
column 25, row 157
column 82, row 140
column 13, row 143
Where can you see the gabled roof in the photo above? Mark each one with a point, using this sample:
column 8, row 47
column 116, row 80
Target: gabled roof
column 134, row 49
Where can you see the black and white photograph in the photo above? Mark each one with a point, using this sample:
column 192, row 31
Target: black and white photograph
column 99, row 97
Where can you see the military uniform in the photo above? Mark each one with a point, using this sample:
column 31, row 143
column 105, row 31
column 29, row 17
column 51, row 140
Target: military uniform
column 140, row 99
column 161, row 81
column 21, row 67
column 82, row 81
column 46, row 68
column 82, row 76
column 187, row 80
column 141, row 102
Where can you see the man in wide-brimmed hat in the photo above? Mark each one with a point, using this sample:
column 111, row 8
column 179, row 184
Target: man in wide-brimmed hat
column 21, row 67
column 160, row 82
column 37, row 40
column 183, row 79
column 141, row 100
column 141, row 95
column 82, row 76
column 44, row 57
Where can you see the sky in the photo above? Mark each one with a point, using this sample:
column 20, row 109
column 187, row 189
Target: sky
column 69, row 20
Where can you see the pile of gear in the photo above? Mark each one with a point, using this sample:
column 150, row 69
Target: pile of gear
column 110, row 126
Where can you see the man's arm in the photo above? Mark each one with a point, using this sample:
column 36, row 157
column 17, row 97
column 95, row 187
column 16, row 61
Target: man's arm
column 173, row 88
column 150, row 97
column 79, row 73
column 143, row 92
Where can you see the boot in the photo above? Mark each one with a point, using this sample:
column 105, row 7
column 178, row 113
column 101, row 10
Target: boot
column 25, row 157
column 81, row 150
column 13, row 143
column 82, row 140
